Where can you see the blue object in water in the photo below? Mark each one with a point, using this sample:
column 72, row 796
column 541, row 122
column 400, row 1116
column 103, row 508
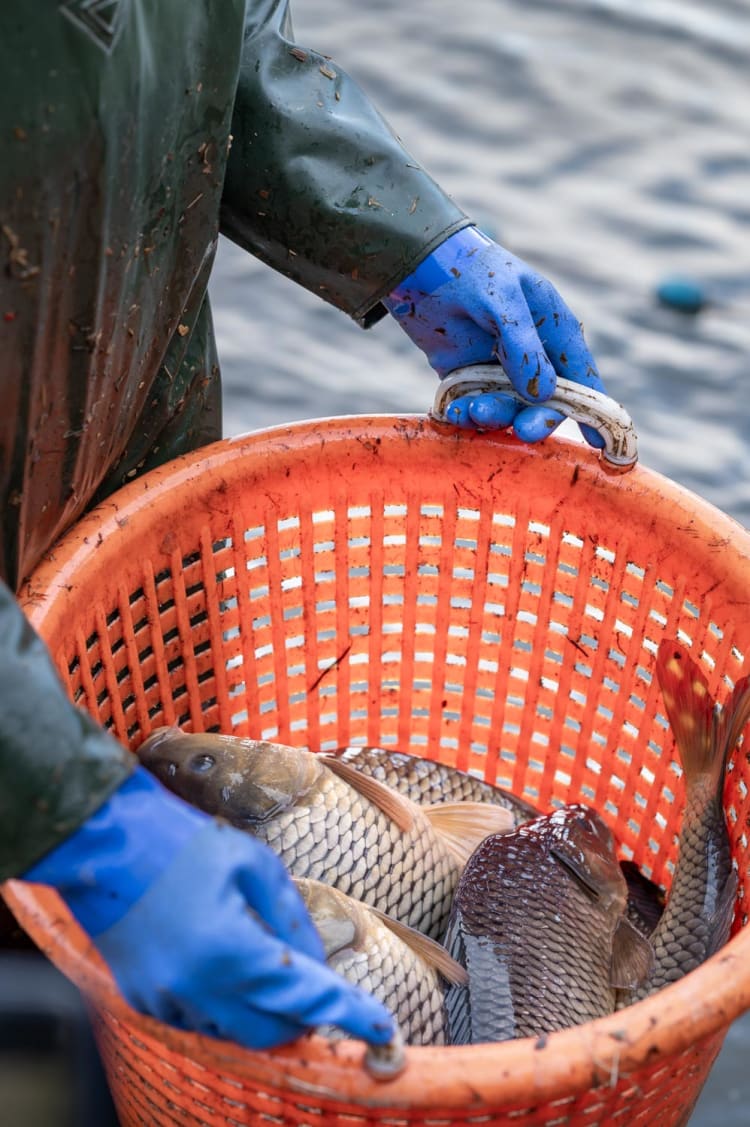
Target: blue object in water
column 683, row 294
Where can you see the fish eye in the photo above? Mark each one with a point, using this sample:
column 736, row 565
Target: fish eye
column 201, row 763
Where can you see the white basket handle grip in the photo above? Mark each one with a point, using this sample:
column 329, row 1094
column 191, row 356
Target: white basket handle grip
column 583, row 404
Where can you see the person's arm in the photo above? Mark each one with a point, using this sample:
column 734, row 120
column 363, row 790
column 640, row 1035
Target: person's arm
column 56, row 765
column 199, row 923
column 317, row 184
column 319, row 187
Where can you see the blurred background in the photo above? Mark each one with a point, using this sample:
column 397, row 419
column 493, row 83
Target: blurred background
column 607, row 143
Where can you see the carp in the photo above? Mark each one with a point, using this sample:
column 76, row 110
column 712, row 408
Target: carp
column 540, row 923
column 327, row 821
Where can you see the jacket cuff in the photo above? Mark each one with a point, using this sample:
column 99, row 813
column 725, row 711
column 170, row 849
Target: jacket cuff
column 373, row 312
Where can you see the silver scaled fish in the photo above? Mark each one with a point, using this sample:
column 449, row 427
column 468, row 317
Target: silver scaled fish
column 699, row 909
column 400, row 966
column 329, row 822
column 539, row 922
column 428, row 781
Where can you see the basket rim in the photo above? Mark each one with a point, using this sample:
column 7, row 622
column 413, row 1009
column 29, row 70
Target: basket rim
column 59, row 566
column 524, row 1071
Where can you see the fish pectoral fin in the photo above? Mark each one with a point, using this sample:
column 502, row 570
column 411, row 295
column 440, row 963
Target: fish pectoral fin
column 399, row 809
column 570, row 857
column 337, row 934
column 632, row 957
column 433, row 953
column 464, row 825
column 158, row 736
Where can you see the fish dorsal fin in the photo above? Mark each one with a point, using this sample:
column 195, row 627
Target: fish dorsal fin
column 690, row 711
column 433, row 953
column 399, row 809
column 632, row 957
column 464, row 825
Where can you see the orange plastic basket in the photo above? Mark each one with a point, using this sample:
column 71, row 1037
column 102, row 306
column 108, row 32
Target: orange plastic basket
column 390, row 581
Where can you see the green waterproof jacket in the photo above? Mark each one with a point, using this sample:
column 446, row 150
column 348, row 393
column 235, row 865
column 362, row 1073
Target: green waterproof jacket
column 131, row 133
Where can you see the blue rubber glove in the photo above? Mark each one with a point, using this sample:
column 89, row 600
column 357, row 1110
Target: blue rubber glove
column 473, row 302
column 200, row 924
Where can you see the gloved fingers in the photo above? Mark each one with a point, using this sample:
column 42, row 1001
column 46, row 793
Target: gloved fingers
column 261, row 995
column 192, row 945
column 278, row 903
column 220, row 1020
column 310, row 993
column 523, row 356
column 535, row 423
column 486, row 410
column 458, row 413
column 561, row 334
column 492, row 410
column 592, row 436
column 267, row 1031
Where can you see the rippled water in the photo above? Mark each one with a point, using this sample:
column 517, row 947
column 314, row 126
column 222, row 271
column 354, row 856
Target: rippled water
column 608, row 144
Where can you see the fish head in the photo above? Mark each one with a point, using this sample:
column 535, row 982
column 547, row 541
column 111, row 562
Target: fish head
column 584, row 845
column 337, row 917
column 580, row 839
column 247, row 781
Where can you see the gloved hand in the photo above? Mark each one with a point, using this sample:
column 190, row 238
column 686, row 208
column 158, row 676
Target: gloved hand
column 472, row 302
column 200, row 924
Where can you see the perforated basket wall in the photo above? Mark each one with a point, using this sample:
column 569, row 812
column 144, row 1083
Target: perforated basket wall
column 387, row 581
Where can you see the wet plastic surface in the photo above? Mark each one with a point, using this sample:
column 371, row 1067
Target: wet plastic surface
column 389, row 581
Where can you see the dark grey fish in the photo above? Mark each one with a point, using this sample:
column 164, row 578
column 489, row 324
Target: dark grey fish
column 427, row 781
column 328, row 822
column 539, row 922
column 645, row 899
column 699, row 909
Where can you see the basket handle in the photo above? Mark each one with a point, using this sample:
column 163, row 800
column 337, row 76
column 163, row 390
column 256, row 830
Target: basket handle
column 582, row 404
column 386, row 1062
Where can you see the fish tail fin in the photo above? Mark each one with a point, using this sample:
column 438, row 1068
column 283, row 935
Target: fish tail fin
column 691, row 714
column 705, row 737
column 734, row 715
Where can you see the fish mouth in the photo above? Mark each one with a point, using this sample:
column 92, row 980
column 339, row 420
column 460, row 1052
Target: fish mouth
column 262, row 803
column 265, row 816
